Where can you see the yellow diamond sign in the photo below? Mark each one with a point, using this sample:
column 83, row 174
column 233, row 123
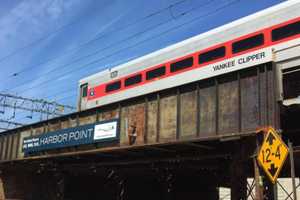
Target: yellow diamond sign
column 272, row 154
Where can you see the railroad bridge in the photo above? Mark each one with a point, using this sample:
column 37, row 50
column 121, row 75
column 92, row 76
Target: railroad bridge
column 180, row 143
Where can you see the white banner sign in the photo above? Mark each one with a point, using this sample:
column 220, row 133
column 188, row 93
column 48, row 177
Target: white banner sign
column 107, row 130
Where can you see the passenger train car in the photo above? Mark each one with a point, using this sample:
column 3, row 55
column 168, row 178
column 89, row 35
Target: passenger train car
column 271, row 35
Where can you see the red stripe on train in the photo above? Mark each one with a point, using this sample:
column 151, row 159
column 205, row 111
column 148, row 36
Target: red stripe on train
column 99, row 90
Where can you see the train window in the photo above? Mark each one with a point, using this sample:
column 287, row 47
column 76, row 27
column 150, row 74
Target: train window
column 84, row 90
column 133, row 80
column 211, row 55
column 113, row 86
column 182, row 64
column 156, row 73
column 248, row 43
column 286, row 31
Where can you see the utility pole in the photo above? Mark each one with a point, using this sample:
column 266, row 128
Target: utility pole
column 10, row 104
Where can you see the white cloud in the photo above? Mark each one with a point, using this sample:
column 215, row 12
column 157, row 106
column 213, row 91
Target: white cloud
column 30, row 20
column 55, row 9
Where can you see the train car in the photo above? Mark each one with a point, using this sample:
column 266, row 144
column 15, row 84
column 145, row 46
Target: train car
column 271, row 35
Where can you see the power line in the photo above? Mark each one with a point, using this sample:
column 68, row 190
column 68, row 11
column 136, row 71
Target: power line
column 22, row 111
column 134, row 45
column 10, row 122
column 36, row 41
column 97, row 51
column 130, row 47
column 69, row 90
column 42, row 101
column 66, row 97
column 40, row 106
column 146, row 40
column 167, row 31
column 80, row 46
column 100, row 50
column 126, row 40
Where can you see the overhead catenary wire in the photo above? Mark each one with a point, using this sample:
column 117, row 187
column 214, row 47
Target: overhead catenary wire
column 103, row 49
column 15, row 52
column 20, row 119
column 55, row 100
column 154, row 37
column 60, row 67
column 166, row 32
column 80, row 46
column 42, row 101
column 139, row 20
column 70, row 96
column 144, row 41
column 8, row 123
column 66, row 97
column 33, row 105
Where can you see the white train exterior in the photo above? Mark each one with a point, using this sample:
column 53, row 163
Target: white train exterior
column 271, row 35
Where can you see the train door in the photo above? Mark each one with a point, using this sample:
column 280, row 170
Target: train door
column 83, row 96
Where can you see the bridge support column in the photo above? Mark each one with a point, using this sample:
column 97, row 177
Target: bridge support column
column 13, row 186
column 31, row 186
column 2, row 195
column 238, row 176
column 48, row 186
column 238, row 182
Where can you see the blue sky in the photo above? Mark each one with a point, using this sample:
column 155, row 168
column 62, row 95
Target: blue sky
column 47, row 46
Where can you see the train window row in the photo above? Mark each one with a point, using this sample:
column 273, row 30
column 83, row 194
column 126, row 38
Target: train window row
column 182, row 64
column 211, row 55
column 113, row 86
column 188, row 62
column 155, row 73
column 286, row 31
column 133, row 80
column 248, row 43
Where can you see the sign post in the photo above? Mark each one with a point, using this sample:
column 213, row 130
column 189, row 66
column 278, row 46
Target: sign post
column 292, row 169
column 272, row 154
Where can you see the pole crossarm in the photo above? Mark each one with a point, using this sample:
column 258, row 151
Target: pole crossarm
column 36, row 110
column 11, row 122
column 41, row 101
column 32, row 105
column 10, row 105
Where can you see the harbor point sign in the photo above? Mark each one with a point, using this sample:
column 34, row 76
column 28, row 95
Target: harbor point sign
column 106, row 131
